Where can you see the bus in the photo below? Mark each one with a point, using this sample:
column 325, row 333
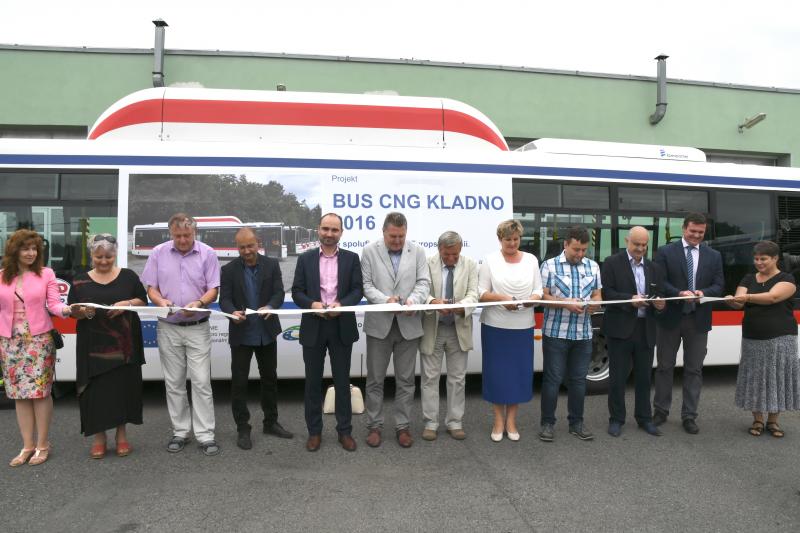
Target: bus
column 462, row 177
column 299, row 239
column 218, row 234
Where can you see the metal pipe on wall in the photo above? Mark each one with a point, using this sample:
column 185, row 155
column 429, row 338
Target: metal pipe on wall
column 158, row 53
column 661, row 91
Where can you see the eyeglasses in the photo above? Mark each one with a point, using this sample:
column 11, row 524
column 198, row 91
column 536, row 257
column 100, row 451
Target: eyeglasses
column 100, row 237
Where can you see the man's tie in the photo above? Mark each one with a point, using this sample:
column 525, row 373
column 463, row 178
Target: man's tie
column 689, row 306
column 448, row 294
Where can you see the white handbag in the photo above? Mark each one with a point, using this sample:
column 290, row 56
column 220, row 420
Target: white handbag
column 356, row 401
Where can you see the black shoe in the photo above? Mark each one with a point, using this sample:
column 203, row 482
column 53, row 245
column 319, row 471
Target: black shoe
column 659, row 417
column 614, row 429
column 243, row 440
column 650, row 428
column 277, row 430
column 690, row 426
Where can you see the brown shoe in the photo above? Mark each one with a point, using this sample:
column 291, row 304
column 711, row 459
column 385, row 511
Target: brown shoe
column 374, row 438
column 347, row 442
column 457, row 434
column 404, row 438
column 313, row 443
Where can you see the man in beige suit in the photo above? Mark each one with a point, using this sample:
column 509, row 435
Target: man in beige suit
column 394, row 271
column 447, row 334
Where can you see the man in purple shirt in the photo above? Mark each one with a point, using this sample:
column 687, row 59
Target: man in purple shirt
column 185, row 273
column 324, row 279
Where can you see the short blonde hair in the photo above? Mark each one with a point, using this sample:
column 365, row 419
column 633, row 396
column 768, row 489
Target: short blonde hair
column 507, row 228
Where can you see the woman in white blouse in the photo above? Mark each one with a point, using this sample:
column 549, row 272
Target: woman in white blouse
column 507, row 330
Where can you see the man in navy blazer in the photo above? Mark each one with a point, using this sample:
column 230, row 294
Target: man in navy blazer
column 630, row 329
column 253, row 281
column 327, row 278
column 690, row 269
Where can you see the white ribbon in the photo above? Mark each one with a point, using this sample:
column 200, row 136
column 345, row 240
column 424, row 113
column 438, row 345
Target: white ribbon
column 163, row 312
column 399, row 308
column 160, row 312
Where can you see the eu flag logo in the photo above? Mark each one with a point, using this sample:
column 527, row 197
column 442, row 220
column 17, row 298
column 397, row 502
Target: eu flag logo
column 150, row 333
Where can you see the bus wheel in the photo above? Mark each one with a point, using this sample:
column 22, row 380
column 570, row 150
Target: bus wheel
column 597, row 376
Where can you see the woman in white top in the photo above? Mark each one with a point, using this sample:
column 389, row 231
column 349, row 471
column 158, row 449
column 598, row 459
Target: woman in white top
column 507, row 330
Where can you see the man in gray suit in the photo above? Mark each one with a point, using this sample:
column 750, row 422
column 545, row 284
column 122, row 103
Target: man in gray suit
column 447, row 333
column 394, row 271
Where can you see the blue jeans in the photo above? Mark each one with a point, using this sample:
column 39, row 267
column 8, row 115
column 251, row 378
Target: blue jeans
column 560, row 357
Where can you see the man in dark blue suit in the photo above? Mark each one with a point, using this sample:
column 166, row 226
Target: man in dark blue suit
column 630, row 329
column 327, row 278
column 690, row 269
column 253, row 281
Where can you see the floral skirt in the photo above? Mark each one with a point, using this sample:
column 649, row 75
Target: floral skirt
column 769, row 375
column 28, row 362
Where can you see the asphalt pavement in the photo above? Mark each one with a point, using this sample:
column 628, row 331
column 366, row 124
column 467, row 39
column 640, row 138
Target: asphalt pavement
column 719, row 480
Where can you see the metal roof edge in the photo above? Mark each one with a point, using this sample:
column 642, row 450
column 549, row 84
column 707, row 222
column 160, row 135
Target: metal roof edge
column 414, row 62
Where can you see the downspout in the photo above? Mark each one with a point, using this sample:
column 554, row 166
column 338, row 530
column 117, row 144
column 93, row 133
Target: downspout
column 158, row 53
column 661, row 92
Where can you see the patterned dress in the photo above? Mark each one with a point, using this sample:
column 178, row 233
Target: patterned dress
column 28, row 361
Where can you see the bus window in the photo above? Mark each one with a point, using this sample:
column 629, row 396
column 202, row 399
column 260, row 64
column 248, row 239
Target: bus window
column 271, row 239
column 9, row 223
column 641, row 199
column 742, row 219
column 543, row 233
column 218, row 238
column 689, row 201
column 64, row 208
column 31, row 186
column 585, row 196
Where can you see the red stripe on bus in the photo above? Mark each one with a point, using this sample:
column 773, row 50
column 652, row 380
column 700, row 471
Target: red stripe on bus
column 718, row 318
column 135, row 113
column 298, row 114
column 65, row 325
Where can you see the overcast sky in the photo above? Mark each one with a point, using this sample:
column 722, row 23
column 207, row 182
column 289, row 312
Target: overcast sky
column 734, row 41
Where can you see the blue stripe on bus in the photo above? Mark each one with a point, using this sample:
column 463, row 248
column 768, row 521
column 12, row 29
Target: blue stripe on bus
column 416, row 166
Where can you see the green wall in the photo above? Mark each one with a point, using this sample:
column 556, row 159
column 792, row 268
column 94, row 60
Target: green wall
column 67, row 87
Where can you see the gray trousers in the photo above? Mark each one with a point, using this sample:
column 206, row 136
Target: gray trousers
column 694, row 353
column 186, row 350
column 446, row 346
column 379, row 353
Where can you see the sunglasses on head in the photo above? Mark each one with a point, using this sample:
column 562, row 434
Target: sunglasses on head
column 103, row 237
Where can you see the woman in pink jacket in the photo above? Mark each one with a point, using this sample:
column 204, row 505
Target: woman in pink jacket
column 28, row 294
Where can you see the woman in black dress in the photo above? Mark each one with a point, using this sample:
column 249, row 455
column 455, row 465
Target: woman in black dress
column 110, row 351
column 769, row 371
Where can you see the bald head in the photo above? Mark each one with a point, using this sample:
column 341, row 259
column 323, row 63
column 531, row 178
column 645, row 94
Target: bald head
column 245, row 234
column 247, row 243
column 636, row 242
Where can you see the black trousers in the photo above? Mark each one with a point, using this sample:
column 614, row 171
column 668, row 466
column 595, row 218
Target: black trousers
column 314, row 358
column 624, row 354
column 267, row 360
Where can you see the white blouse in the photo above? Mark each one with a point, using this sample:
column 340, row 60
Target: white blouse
column 515, row 279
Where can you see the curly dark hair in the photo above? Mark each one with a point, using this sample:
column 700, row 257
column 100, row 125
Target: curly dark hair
column 14, row 244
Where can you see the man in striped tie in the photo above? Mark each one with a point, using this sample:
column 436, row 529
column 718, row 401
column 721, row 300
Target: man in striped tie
column 690, row 269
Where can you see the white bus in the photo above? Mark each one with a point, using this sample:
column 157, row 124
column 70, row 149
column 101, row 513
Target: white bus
column 216, row 231
column 459, row 177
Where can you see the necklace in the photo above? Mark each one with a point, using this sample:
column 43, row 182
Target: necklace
column 764, row 283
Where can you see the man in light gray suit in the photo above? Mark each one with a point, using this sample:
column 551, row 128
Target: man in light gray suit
column 447, row 333
column 393, row 271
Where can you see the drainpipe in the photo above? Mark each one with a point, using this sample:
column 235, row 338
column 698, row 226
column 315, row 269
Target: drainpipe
column 158, row 53
column 661, row 93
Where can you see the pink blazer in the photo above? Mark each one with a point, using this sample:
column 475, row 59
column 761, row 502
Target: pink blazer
column 37, row 291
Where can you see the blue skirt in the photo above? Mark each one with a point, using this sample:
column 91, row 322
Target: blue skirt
column 507, row 364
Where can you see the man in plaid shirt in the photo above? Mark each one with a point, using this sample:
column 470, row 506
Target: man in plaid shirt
column 567, row 330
